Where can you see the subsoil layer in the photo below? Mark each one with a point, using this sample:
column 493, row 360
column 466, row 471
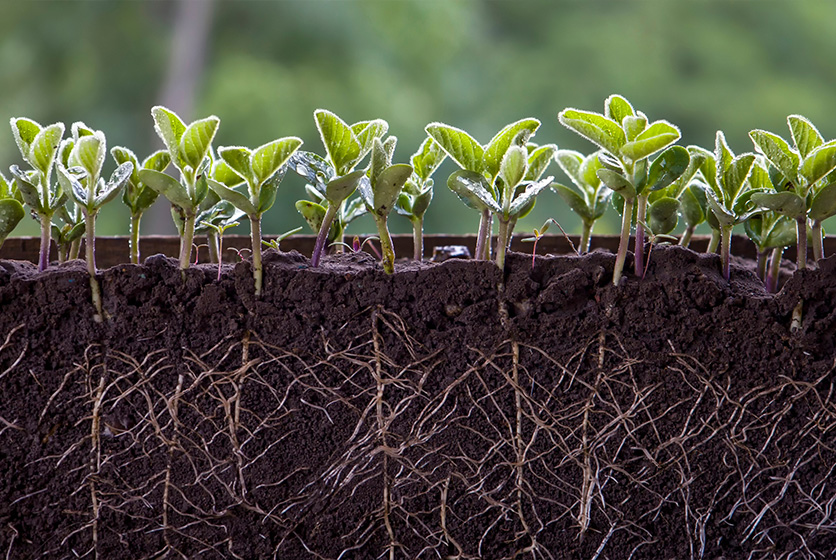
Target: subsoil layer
column 445, row 411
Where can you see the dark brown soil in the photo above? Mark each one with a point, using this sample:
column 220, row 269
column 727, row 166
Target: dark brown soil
column 441, row 412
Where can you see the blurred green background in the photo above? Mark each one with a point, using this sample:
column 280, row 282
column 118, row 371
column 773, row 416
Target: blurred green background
column 264, row 66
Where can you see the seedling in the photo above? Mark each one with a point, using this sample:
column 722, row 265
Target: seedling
column 380, row 190
column 188, row 147
column 276, row 243
column 11, row 210
column 589, row 197
column 138, row 196
column 219, row 219
column 313, row 211
column 334, row 176
column 68, row 236
column 91, row 192
column 539, row 233
column 39, row 148
column 262, row 169
column 628, row 141
column 418, row 191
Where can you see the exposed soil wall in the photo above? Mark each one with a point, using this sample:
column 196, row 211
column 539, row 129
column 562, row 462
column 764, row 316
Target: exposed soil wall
column 441, row 412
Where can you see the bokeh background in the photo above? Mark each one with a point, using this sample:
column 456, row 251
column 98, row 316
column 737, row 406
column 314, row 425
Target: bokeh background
column 264, row 66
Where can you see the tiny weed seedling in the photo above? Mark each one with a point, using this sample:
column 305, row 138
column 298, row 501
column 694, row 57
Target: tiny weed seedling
column 418, row 191
column 138, row 196
column 276, row 243
column 262, row 170
column 189, row 148
column 218, row 219
column 539, row 233
column 11, row 209
column 334, row 177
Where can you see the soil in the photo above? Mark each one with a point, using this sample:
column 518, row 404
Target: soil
column 445, row 411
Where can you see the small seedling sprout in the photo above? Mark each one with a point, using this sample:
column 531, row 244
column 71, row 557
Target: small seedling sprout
column 223, row 217
column 539, row 233
column 588, row 197
column 418, row 191
column 276, row 243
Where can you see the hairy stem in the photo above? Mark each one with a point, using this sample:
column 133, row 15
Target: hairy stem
column 801, row 245
column 624, row 240
column 818, row 244
column 330, row 214
column 186, row 241
column 90, row 250
column 641, row 216
column 386, row 248
column 714, row 242
column 483, row 237
column 46, row 239
column 134, row 240
column 774, row 269
column 685, row 240
column 418, row 239
column 586, row 237
column 255, row 234
column 762, row 256
column 213, row 241
column 725, row 250
column 502, row 242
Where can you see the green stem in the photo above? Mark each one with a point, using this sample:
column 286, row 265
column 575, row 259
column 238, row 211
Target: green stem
column 255, row 234
column 774, row 270
column 641, row 216
column 624, row 240
column 46, row 239
column 186, row 241
column 135, row 237
column 214, row 243
column 418, row 239
column 762, row 254
column 685, row 240
column 90, row 250
column 818, row 244
column 75, row 249
column 386, row 248
column 586, row 237
column 483, row 237
column 330, row 213
column 502, row 241
column 725, row 250
column 801, row 245
column 714, row 242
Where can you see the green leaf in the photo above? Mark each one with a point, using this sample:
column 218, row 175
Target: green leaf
column 269, row 189
column 596, row 128
column 75, row 232
column 146, row 197
column 428, row 158
column 514, row 166
column 785, row 203
column 340, row 143
column 459, row 145
column 708, row 168
column 778, row 152
column 724, row 216
column 380, row 160
column 340, row 188
column 518, row 132
column 169, row 128
column 617, row 183
column 267, row 159
column 71, row 184
column 662, row 215
column 44, row 147
column 617, row 108
column 823, row 205
column 782, row 233
column 472, row 189
column 197, row 139
column 657, row 136
column 819, row 163
column 388, row 186
column 238, row 160
column 120, row 177
column 11, row 212
column 158, row 161
column 723, row 157
column 122, row 155
column 589, row 171
column 236, row 198
column 735, row 175
column 693, row 204
column 524, row 199
column 24, row 131
column 421, row 203
column 29, row 192
column 89, row 153
column 313, row 213
column 667, row 168
column 805, row 136
column 633, row 126
column 759, row 178
column 574, row 201
column 367, row 131
column 313, row 167
column 223, row 173
column 167, row 186
column 570, row 162
column 539, row 160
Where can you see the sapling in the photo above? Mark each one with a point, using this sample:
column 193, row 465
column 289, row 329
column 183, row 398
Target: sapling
column 138, row 196
column 11, row 210
column 729, row 192
column 418, row 191
column 334, row 176
column 628, row 141
column 188, row 147
column 39, row 148
column 380, row 191
column 589, row 197
column 90, row 191
column 262, row 170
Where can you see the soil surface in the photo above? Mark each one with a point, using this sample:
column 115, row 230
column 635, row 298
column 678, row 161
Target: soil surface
column 445, row 411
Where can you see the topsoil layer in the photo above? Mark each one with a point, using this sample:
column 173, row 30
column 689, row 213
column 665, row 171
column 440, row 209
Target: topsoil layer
column 441, row 412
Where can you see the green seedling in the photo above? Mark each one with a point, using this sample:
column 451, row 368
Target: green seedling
column 539, row 233
column 262, row 170
column 418, row 191
column 478, row 183
column 276, row 243
column 138, row 196
column 380, row 191
column 189, row 148
column 90, row 191
column 313, row 211
column 39, row 148
column 804, row 187
column 11, row 209
column 729, row 192
column 587, row 196
column 68, row 236
column 693, row 206
column 334, row 177
column 628, row 140
column 218, row 219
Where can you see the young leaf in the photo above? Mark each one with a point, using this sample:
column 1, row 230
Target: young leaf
column 120, row 176
column 617, row 182
column 70, row 183
column 11, row 212
column 167, row 186
column 428, row 158
column 340, row 188
column 805, row 136
column 616, row 107
column 693, row 204
column 570, row 162
column 421, row 203
column 340, row 143
column 238, row 159
column 519, row 132
column 471, row 188
column 312, row 212
column 158, row 161
column 522, row 200
column 735, row 175
column 367, row 131
column 667, row 168
column 269, row 188
column 785, row 203
column 388, row 186
column 823, row 205
column 237, row 199
column 778, row 152
column 44, row 147
column 662, row 215
column 196, row 140
column 819, row 163
column 313, row 167
column 539, row 160
column 89, row 153
column 29, row 192
column 24, row 131
column 459, row 145
column 169, row 127
column 514, row 166
column 267, row 159
column 657, row 136
column 596, row 128
column 574, row 201
column 122, row 155
column 633, row 126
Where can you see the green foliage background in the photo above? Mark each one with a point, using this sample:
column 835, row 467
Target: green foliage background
column 474, row 64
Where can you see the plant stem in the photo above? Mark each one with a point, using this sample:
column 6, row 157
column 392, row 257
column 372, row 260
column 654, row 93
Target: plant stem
column 186, row 241
column 725, row 250
column 75, row 248
column 624, row 240
column 685, row 240
column 418, row 239
column 255, row 234
column 502, row 241
column 213, row 241
column 818, row 245
column 330, row 213
column 762, row 264
column 46, row 238
column 90, row 250
column 386, row 249
column 483, row 237
column 135, row 237
column 801, row 245
column 586, row 237
column 714, row 242
column 774, row 270
column 641, row 216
